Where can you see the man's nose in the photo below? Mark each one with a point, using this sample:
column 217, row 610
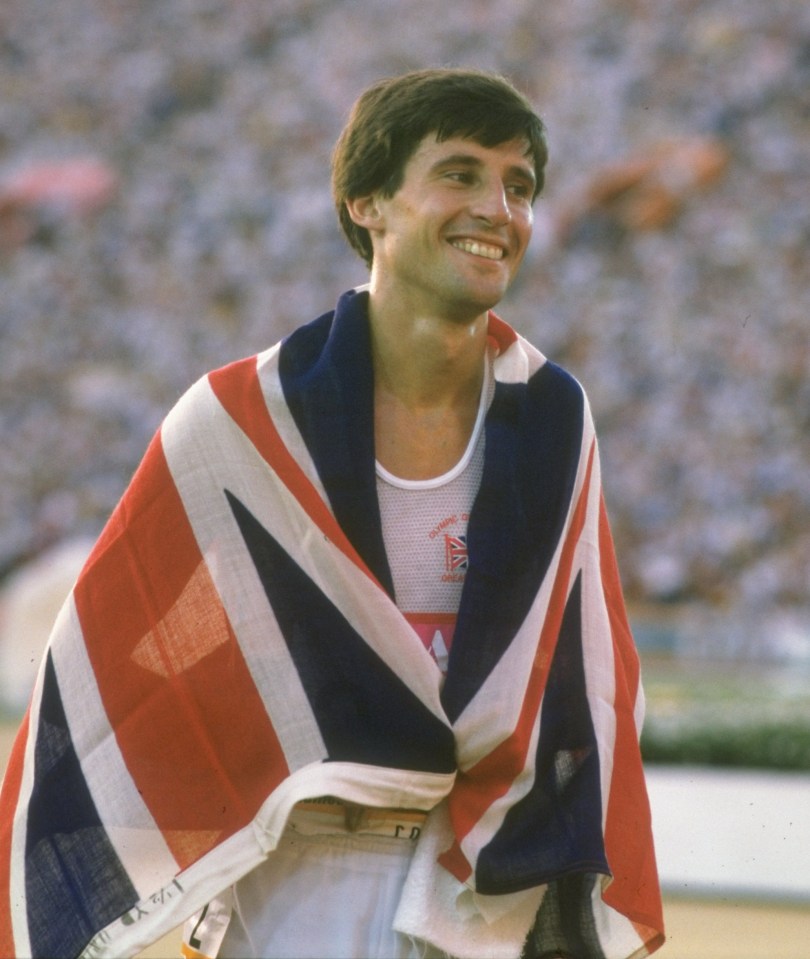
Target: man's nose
column 492, row 204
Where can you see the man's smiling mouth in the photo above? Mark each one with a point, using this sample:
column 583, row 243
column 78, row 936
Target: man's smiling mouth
column 487, row 250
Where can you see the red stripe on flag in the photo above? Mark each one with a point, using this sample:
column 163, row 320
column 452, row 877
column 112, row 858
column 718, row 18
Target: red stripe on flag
column 188, row 718
column 8, row 805
column 238, row 389
column 489, row 779
column 634, row 891
column 501, row 334
column 455, row 862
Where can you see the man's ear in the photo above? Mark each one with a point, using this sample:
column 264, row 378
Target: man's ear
column 365, row 211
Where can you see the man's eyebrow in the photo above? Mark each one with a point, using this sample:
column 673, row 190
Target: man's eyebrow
column 524, row 173
column 457, row 159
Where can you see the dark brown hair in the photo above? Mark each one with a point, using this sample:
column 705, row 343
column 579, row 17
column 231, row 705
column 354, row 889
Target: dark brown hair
column 392, row 117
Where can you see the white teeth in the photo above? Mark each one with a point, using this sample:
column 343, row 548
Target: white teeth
column 479, row 249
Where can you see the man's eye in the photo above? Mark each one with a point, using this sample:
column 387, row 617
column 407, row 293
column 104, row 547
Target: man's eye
column 460, row 176
column 520, row 190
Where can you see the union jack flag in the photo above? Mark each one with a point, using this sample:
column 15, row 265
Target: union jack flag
column 455, row 552
column 233, row 646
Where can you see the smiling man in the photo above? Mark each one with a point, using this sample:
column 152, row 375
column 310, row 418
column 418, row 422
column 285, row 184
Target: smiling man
column 456, row 458
column 349, row 671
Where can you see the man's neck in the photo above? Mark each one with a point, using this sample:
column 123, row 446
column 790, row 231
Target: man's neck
column 424, row 359
column 428, row 377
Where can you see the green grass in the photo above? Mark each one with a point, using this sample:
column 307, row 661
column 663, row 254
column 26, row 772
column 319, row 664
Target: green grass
column 726, row 714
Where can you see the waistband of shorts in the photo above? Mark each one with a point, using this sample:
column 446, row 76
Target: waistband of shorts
column 329, row 816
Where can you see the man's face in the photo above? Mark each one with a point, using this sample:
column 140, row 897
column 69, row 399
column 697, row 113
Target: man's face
column 452, row 237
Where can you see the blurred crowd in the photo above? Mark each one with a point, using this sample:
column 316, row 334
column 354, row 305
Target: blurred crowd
column 165, row 208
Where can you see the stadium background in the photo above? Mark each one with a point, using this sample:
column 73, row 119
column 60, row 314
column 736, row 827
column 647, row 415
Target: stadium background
column 164, row 208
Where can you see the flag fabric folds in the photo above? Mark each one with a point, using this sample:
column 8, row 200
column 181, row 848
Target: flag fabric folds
column 233, row 646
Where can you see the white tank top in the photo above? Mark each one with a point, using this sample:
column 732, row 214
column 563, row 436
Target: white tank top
column 424, row 524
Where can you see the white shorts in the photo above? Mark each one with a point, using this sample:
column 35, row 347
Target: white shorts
column 324, row 897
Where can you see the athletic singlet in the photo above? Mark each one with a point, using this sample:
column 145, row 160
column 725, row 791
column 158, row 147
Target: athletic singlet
column 424, row 524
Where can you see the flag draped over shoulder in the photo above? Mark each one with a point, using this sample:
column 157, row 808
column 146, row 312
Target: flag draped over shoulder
column 233, row 646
